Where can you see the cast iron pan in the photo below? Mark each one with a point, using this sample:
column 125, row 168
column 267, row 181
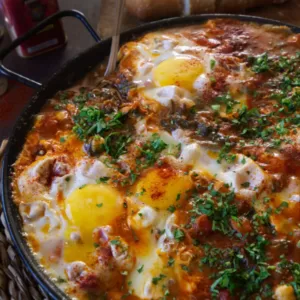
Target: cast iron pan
column 74, row 70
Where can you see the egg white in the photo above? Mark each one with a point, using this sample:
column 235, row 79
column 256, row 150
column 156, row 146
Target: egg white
column 235, row 174
column 152, row 51
column 44, row 217
column 150, row 221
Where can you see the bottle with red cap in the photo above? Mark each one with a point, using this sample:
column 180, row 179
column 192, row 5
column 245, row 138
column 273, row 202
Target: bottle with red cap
column 22, row 15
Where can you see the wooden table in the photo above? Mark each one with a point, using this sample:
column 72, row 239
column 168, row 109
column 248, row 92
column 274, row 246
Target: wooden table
column 288, row 12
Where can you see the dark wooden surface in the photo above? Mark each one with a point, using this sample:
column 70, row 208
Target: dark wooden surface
column 288, row 12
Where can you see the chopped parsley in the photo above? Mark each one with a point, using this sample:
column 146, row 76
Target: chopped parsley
column 81, row 98
column 281, row 207
column 280, row 128
column 294, row 269
column 104, row 130
column 91, row 121
column 115, row 143
column 212, row 63
column 151, row 150
column 216, row 107
column 171, row 261
column 141, row 193
column 62, row 139
column 185, row 268
column 256, row 250
column 245, row 184
column 262, row 219
column 140, row 269
column 156, row 280
column 261, row 63
column 225, row 154
column 133, row 177
column 115, row 242
column 233, row 271
column 102, row 180
column 179, row 235
column 296, row 278
column 212, row 79
column 228, row 101
column 171, row 208
column 219, row 207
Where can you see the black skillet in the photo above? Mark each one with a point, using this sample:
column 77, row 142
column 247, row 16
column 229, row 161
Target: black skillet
column 74, row 70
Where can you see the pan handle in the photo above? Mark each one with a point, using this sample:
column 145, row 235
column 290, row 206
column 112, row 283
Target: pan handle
column 17, row 42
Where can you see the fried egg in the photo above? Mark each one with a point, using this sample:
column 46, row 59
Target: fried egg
column 205, row 161
column 87, row 208
column 67, row 213
column 171, row 67
column 157, row 195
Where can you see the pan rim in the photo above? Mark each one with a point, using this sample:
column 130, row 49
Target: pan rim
column 18, row 239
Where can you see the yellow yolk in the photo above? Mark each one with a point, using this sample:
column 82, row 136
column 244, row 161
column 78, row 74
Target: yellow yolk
column 88, row 207
column 179, row 71
column 161, row 187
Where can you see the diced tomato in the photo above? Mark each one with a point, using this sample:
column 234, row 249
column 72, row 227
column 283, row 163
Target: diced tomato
column 224, row 295
column 89, row 282
column 242, row 226
column 203, row 226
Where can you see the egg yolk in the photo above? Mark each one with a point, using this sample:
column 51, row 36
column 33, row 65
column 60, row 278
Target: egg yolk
column 88, row 207
column 179, row 71
column 162, row 187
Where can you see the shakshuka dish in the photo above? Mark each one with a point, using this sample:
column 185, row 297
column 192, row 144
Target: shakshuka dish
column 177, row 177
